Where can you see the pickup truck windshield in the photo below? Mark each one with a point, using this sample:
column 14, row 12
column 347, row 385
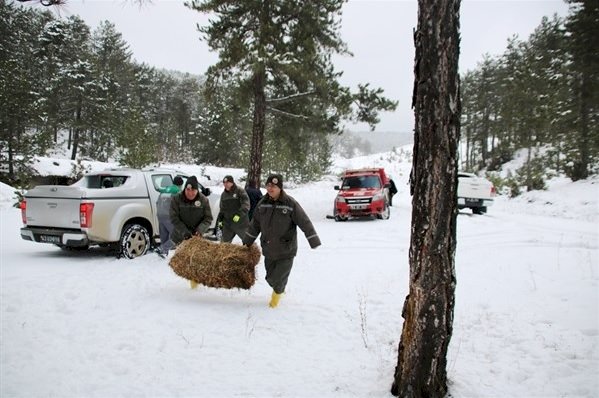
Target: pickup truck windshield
column 362, row 182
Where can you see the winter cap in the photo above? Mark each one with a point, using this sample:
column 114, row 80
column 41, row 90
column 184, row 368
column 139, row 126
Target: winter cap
column 228, row 179
column 275, row 179
column 178, row 181
column 192, row 182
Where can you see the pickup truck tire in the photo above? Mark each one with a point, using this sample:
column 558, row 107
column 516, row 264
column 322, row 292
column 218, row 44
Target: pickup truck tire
column 135, row 241
column 479, row 210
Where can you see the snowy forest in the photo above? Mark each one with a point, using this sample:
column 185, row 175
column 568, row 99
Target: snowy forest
column 541, row 95
column 60, row 80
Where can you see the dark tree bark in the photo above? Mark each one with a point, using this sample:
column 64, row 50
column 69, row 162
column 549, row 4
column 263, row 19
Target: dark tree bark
column 581, row 165
column 76, row 131
column 259, row 123
column 428, row 309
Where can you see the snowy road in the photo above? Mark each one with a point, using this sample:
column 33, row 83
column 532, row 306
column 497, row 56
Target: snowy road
column 89, row 325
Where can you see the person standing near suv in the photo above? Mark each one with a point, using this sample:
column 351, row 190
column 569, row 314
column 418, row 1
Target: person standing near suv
column 163, row 205
column 277, row 217
column 234, row 208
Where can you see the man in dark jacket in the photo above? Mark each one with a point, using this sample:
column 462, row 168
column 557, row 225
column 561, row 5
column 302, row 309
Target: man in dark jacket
column 234, row 208
column 255, row 195
column 392, row 191
column 190, row 212
column 277, row 217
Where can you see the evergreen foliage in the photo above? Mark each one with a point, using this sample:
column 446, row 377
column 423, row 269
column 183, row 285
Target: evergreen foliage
column 59, row 79
column 541, row 93
column 277, row 56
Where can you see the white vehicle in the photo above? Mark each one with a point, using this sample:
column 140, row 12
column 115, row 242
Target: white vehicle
column 115, row 207
column 474, row 192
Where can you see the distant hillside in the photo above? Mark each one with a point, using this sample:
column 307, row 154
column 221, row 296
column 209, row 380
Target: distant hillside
column 356, row 143
column 384, row 141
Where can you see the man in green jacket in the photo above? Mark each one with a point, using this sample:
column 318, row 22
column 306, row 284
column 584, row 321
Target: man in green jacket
column 190, row 212
column 277, row 217
column 234, row 208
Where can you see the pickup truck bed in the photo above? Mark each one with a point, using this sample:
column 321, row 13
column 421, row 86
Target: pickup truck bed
column 113, row 207
column 474, row 192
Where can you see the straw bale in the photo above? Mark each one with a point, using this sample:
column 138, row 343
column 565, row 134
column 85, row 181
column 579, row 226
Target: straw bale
column 221, row 265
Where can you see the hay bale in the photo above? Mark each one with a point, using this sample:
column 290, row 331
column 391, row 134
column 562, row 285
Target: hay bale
column 223, row 265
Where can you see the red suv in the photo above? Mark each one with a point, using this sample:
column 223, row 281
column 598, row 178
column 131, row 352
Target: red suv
column 363, row 193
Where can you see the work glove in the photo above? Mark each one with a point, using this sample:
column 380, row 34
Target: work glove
column 219, row 224
column 235, row 218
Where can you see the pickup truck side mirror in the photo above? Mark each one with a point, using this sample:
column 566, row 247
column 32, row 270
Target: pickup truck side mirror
column 336, row 187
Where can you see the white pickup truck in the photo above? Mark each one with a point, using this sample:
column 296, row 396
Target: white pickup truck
column 474, row 192
column 114, row 207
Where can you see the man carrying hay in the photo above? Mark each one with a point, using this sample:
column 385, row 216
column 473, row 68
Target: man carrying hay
column 277, row 217
column 190, row 213
column 234, row 208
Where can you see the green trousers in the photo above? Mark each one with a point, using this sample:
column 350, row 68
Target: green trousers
column 277, row 273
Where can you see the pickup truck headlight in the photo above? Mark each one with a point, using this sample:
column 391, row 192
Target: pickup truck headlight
column 339, row 199
column 378, row 196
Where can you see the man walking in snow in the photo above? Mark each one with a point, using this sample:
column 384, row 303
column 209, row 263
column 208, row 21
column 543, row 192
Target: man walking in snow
column 234, row 208
column 190, row 212
column 277, row 217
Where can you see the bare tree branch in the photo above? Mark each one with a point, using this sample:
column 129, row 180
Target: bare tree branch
column 287, row 113
column 289, row 97
column 48, row 3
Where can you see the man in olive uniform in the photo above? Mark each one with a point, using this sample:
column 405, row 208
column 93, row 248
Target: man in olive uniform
column 234, row 208
column 190, row 212
column 277, row 217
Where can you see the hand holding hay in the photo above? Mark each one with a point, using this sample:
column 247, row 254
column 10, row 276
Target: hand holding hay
column 220, row 265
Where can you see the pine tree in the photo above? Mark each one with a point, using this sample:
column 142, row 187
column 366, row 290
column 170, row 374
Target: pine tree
column 280, row 53
column 583, row 25
column 428, row 309
column 109, row 100
column 20, row 89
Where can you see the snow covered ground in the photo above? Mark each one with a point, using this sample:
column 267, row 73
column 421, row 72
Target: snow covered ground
column 526, row 315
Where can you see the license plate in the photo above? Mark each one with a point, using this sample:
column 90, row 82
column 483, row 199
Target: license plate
column 50, row 239
column 358, row 207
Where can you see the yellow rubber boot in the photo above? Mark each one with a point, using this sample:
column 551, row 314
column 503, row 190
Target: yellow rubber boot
column 193, row 284
column 274, row 299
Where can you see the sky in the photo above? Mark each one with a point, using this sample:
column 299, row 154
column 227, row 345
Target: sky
column 379, row 33
column 526, row 319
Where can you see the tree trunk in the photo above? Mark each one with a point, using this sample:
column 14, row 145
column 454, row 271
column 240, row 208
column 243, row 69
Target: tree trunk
column 582, row 164
column 11, row 150
column 255, row 167
column 76, row 133
column 528, row 168
column 468, row 133
column 428, row 309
